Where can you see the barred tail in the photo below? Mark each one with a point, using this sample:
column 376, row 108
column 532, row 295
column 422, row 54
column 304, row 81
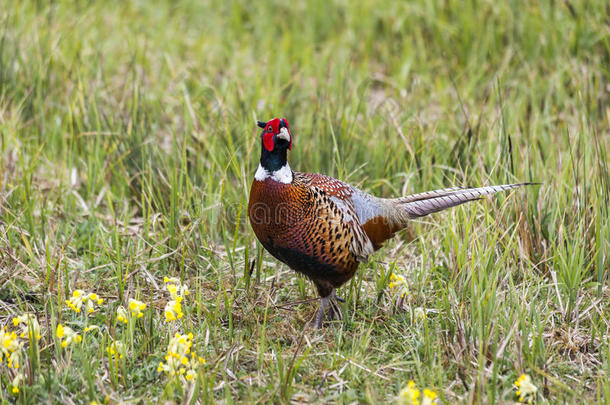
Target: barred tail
column 419, row 205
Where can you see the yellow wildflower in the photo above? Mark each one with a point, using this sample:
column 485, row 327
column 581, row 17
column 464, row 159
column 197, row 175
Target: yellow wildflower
column 11, row 348
column 17, row 381
column 60, row 330
column 180, row 359
column 526, row 390
column 67, row 336
column 136, row 307
column 399, row 284
column 80, row 298
column 429, row 397
column 116, row 350
column 76, row 301
column 121, row 314
column 29, row 324
column 395, row 280
column 175, row 287
column 15, row 358
column 409, row 395
column 173, row 310
column 94, row 297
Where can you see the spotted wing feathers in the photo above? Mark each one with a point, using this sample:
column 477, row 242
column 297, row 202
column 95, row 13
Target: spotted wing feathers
column 344, row 211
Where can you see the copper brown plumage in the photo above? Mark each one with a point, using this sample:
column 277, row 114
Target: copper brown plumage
column 322, row 227
column 302, row 224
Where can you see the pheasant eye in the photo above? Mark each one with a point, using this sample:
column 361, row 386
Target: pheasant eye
column 269, row 128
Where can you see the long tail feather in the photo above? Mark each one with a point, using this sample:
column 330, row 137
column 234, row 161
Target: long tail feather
column 429, row 194
column 419, row 205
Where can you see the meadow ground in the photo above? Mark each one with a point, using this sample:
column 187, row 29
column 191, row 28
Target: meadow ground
column 127, row 148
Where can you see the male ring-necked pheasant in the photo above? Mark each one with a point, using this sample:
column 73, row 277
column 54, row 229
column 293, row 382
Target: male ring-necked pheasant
column 324, row 228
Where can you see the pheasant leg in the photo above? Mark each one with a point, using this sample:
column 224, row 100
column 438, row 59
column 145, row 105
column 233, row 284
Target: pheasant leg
column 334, row 311
column 321, row 309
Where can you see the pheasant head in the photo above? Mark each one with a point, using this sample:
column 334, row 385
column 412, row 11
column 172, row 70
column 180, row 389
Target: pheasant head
column 276, row 140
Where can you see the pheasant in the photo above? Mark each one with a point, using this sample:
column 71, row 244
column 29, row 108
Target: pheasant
column 324, row 228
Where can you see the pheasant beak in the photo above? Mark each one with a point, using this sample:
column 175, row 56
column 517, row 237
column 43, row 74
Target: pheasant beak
column 284, row 134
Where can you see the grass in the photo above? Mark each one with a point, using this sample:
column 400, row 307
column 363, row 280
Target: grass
column 128, row 144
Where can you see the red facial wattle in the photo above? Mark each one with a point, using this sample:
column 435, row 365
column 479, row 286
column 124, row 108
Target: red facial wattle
column 268, row 141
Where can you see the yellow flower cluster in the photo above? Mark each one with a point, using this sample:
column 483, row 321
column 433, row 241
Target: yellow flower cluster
column 121, row 314
column 136, row 310
column 29, row 324
column 177, row 290
column 10, row 348
column 67, row 336
column 116, row 350
column 398, row 283
column 173, row 310
column 411, row 395
column 181, row 360
column 175, row 287
column 80, row 298
column 526, row 390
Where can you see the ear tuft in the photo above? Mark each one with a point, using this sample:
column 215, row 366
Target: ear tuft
column 261, row 124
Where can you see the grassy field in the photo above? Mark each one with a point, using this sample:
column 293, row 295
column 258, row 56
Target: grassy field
column 127, row 149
